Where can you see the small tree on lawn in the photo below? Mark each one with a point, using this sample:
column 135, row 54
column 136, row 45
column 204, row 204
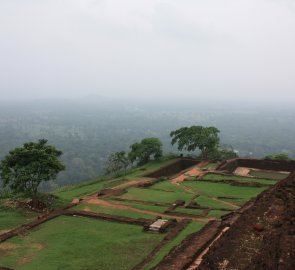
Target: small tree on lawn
column 145, row 150
column 24, row 168
column 206, row 139
column 117, row 162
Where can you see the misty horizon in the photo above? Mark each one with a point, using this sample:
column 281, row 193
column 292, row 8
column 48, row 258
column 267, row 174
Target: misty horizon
column 144, row 50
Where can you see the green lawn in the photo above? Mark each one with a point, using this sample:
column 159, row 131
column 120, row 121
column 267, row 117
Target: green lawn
column 79, row 243
column 11, row 218
column 217, row 213
column 220, row 177
column 211, row 189
column 87, row 188
column 189, row 211
column 155, row 208
column 208, row 202
column 269, row 175
column 155, row 195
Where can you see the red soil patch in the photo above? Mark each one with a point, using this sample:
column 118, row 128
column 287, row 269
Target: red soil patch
column 178, row 179
column 192, row 172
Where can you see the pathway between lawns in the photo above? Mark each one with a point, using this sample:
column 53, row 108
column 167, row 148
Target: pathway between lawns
column 127, row 207
column 225, row 203
column 195, row 171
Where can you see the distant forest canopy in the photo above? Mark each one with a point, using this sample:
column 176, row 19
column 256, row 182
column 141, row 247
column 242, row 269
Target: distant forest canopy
column 89, row 130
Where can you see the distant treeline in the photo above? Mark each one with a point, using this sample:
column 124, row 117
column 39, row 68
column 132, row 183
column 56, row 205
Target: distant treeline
column 89, row 131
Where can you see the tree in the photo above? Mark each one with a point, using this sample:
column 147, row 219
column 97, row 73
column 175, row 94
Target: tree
column 116, row 162
column 190, row 138
column 222, row 154
column 145, row 150
column 24, row 168
column 279, row 156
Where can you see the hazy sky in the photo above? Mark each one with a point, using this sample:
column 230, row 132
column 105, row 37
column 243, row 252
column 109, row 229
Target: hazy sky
column 148, row 48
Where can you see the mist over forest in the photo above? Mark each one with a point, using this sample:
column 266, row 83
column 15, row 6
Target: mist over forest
column 88, row 130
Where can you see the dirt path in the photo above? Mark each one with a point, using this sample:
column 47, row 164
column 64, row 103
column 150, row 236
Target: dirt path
column 195, row 171
column 178, row 179
column 187, row 189
column 225, row 203
column 127, row 207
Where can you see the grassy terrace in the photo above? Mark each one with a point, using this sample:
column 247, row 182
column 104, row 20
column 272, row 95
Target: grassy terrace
column 79, row 243
column 269, row 175
column 11, row 218
column 69, row 192
column 220, row 177
column 112, row 211
column 242, row 194
column 84, row 243
column 157, row 195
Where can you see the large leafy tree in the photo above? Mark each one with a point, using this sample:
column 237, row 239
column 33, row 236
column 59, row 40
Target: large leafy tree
column 24, row 168
column 145, row 150
column 222, row 154
column 117, row 162
column 206, row 139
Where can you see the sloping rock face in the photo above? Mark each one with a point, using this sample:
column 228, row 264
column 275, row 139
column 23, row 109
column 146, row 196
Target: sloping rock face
column 263, row 237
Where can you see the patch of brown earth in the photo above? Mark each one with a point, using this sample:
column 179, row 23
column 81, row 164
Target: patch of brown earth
column 196, row 171
column 7, row 247
column 3, row 231
column 178, row 179
column 242, row 171
column 28, row 258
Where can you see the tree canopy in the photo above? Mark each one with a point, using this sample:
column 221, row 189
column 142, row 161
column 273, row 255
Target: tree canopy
column 24, row 168
column 145, row 150
column 116, row 162
column 206, row 139
column 222, row 154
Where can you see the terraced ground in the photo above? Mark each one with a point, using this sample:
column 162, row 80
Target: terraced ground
column 198, row 193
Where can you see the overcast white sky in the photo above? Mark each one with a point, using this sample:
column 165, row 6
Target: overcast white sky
column 148, row 48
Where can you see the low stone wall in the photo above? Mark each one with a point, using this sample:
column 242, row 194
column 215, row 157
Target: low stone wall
column 262, row 164
column 173, row 168
column 41, row 219
column 169, row 237
column 63, row 211
column 107, row 217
